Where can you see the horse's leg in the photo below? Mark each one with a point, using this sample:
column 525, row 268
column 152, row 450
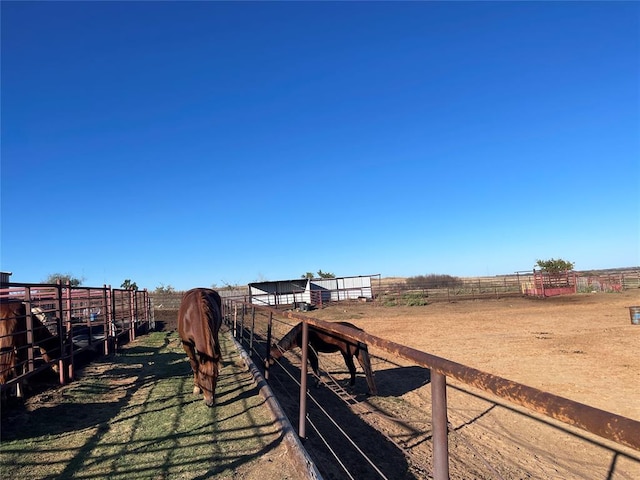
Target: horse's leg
column 313, row 360
column 348, row 359
column 365, row 363
column 191, row 353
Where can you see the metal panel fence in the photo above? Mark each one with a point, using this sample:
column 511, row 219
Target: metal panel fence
column 82, row 318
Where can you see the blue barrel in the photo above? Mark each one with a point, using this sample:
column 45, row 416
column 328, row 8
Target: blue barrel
column 635, row 315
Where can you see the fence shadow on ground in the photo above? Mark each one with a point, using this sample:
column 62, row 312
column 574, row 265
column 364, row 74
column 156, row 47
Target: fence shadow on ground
column 60, row 409
column 386, row 456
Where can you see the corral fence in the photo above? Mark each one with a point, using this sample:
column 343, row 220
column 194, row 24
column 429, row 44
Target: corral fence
column 256, row 327
column 407, row 293
column 82, row 318
column 171, row 300
column 532, row 282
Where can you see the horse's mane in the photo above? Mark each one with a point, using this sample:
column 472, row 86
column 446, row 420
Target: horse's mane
column 205, row 307
column 207, row 298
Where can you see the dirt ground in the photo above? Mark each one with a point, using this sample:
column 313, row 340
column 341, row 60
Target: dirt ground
column 582, row 347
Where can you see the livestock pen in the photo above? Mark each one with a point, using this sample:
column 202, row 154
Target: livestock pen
column 420, row 441
column 85, row 319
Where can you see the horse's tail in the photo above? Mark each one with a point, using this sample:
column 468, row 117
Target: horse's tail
column 365, row 363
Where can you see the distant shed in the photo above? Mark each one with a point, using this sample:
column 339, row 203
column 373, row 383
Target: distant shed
column 5, row 277
column 315, row 291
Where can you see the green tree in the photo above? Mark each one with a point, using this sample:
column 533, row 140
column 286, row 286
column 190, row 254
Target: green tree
column 64, row 279
column 162, row 289
column 555, row 265
column 434, row 280
column 308, row 275
column 129, row 285
column 322, row 274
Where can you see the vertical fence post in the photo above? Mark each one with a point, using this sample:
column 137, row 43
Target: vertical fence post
column 132, row 324
column 136, row 312
column 86, row 313
column 105, row 319
column 106, row 301
column 30, row 334
column 70, row 372
column 151, row 319
column 235, row 320
column 303, row 382
column 63, row 334
column 439, row 425
column 242, row 311
column 268, row 356
column 253, row 326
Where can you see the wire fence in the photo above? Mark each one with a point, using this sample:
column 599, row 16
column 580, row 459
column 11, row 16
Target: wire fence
column 257, row 328
column 412, row 293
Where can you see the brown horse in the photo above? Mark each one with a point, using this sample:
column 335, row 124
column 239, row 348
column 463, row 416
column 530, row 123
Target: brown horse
column 327, row 342
column 13, row 339
column 199, row 319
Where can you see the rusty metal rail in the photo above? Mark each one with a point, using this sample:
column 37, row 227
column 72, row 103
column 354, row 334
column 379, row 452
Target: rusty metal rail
column 82, row 317
column 607, row 425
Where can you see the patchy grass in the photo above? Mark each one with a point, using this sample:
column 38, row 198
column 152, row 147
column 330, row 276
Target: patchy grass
column 134, row 416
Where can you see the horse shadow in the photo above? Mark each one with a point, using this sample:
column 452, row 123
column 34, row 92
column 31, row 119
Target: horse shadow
column 394, row 382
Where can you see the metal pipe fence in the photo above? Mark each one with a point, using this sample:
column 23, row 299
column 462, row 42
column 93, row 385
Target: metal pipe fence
column 268, row 323
column 414, row 293
column 82, row 318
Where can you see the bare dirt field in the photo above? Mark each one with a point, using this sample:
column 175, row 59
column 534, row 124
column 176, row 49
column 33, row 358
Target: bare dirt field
column 582, row 347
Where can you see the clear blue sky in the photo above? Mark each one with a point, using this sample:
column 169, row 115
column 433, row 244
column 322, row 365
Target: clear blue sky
column 191, row 144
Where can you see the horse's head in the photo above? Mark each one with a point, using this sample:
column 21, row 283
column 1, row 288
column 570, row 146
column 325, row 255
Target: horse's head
column 274, row 353
column 208, row 379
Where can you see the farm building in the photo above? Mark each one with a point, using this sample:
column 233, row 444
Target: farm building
column 310, row 291
column 5, row 277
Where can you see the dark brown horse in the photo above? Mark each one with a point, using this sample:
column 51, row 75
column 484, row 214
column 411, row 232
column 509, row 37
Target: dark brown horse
column 14, row 342
column 199, row 319
column 322, row 341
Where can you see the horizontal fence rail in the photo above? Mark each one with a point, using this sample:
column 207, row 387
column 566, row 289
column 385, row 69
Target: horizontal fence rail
column 241, row 317
column 81, row 318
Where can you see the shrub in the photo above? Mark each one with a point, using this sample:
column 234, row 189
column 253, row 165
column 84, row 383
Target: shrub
column 434, row 281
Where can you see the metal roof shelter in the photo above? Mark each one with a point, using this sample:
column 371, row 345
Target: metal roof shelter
column 313, row 291
column 4, row 277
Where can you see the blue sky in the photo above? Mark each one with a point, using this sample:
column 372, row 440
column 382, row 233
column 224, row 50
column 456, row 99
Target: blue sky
column 193, row 144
